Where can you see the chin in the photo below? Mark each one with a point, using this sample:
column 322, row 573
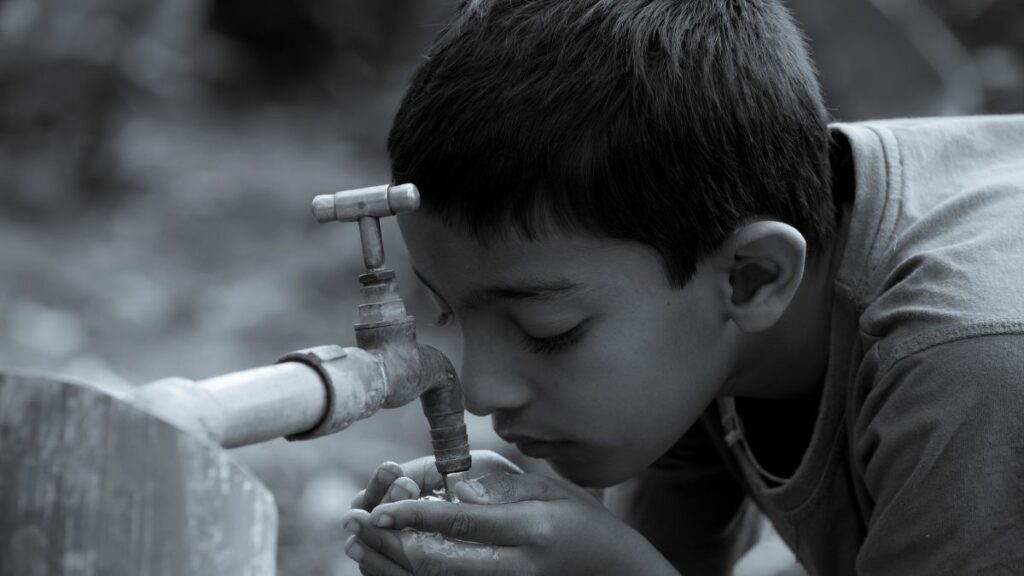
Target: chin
column 592, row 474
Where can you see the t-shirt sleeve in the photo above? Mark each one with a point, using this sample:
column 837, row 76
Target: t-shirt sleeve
column 940, row 444
column 688, row 505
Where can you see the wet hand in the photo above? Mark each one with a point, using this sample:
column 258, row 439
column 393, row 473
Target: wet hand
column 505, row 524
column 393, row 482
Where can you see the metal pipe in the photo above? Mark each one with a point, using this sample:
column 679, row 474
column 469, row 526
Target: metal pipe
column 315, row 392
column 239, row 408
column 320, row 391
column 267, row 402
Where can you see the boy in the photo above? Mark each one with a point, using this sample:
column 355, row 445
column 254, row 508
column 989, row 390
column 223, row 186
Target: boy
column 673, row 278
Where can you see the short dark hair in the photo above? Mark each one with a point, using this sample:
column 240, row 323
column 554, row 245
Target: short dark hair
column 666, row 122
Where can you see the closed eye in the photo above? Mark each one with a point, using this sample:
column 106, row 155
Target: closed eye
column 445, row 316
column 554, row 344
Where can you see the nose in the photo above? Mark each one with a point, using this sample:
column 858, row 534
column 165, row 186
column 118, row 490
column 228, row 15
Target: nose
column 489, row 382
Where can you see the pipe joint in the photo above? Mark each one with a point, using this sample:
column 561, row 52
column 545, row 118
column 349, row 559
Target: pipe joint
column 355, row 384
column 395, row 344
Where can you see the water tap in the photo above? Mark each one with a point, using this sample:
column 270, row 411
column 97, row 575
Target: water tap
column 384, row 327
column 322, row 390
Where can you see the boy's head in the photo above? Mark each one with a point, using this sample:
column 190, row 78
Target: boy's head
column 579, row 162
column 662, row 122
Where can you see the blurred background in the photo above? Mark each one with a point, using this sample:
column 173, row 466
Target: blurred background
column 158, row 158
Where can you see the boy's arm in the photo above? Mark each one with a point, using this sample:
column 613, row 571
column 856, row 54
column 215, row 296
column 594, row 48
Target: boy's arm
column 689, row 506
column 940, row 444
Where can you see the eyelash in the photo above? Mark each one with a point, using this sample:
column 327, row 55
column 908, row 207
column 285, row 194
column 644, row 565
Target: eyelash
column 547, row 346
column 445, row 316
column 442, row 319
column 556, row 343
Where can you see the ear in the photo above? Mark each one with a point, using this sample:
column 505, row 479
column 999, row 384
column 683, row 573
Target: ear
column 764, row 264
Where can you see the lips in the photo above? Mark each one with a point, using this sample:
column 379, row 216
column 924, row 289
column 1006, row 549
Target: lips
column 516, row 437
column 533, row 446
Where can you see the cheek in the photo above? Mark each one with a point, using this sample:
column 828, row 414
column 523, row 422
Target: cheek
column 651, row 377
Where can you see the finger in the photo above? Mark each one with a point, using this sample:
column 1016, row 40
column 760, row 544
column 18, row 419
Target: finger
column 505, row 525
column 371, row 562
column 384, row 542
column 404, row 488
column 357, row 502
column 424, row 472
column 501, row 488
column 380, row 482
column 432, row 554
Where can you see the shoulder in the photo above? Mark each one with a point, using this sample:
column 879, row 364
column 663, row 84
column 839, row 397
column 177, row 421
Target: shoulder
column 954, row 404
column 938, row 241
column 978, row 373
column 938, row 133
column 939, row 447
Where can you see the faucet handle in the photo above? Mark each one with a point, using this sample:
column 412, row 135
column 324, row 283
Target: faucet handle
column 372, row 202
column 366, row 206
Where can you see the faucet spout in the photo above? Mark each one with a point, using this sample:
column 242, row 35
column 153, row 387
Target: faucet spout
column 443, row 407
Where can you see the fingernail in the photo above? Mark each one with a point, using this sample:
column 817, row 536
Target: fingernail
column 351, row 525
column 383, row 521
column 355, row 551
column 476, row 487
column 385, row 475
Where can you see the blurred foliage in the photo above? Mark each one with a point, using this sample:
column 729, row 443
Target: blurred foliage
column 157, row 160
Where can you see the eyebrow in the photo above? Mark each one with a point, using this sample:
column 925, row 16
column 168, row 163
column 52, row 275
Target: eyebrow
column 529, row 290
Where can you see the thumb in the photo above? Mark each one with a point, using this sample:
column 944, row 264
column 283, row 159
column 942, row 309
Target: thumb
column 504, row 488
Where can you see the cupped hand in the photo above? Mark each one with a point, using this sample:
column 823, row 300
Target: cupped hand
column 392, row 482
column 505, row 524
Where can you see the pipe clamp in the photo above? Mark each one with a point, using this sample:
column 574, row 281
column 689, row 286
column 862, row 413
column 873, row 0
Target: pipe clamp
column 354, row 383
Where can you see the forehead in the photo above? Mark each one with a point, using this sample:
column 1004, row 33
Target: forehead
column 448, row 258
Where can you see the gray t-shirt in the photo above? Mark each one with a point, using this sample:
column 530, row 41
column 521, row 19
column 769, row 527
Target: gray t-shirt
column 916, row 460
